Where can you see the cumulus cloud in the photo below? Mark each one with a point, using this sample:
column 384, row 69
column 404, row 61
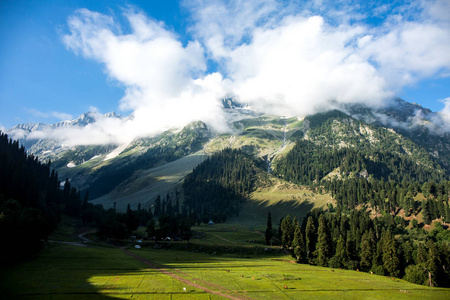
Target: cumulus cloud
column 166, row 84
column 279, row 57
column 295, row 60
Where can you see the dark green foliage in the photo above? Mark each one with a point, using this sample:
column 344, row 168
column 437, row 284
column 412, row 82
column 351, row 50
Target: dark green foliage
column 390, row 258
column 298, row 244
column 356, row 241
column 218, row 187
column 366, row 251
column 269, row 230
column 323, row 242
column 287, row 231
column 340, row 257
column 30, row 200
column 387, row 174
column 310, row 237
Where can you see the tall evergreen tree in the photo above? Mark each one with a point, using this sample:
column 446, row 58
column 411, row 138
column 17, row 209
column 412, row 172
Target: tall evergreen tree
column 390, row 259
column 286, row 231
column 433, row 263
column 366, row 252
column 323, row 242
column 269, row 230
column 340, row 257
column 310, row 237
column 426, row 212
column 298, row 244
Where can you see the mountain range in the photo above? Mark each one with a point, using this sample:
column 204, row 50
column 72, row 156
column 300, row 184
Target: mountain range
column 138, row 171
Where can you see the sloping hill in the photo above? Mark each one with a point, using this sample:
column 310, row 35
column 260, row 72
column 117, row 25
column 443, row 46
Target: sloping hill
column 144, row 185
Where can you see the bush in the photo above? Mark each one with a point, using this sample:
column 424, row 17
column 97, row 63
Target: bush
column 416, row 274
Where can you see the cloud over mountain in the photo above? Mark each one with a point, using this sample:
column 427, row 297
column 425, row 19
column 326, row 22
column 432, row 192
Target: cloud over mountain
column 276, row 56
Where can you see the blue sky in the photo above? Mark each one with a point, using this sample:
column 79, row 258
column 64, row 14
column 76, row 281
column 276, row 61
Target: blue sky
column 57, row 61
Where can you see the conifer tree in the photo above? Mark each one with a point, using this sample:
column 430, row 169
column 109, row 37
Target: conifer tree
column 269, row 230
column 421, row 255
column 340, row 257
column 298, row 244
column 433, row 263
column 426, row 212
column 366, row 252
column 323, row 242
column 310, row 237
column 286, row 229
column 390, row 258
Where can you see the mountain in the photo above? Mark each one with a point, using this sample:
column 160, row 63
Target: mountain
column 52, row 148
column 401, row 133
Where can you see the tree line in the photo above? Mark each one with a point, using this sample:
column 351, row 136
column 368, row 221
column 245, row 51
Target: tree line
column 31, row 201
column 381, row 245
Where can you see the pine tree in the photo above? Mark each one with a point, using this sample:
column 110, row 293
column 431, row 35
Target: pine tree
column 269, row 230
column 298, row 244
column 421, row 255
column 366, row 252
column 433, row 262
column 323, row 246
column 391, row 261
column 426, row 212
column 310, row 237
column 286, row 229
column 340, row 257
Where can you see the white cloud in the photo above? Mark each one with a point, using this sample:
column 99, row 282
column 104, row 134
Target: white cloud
column 278, row 56
column 165, row 81
column 442, row 118
column 284, row 59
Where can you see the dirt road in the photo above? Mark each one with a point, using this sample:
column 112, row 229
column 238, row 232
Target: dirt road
column 181, row 276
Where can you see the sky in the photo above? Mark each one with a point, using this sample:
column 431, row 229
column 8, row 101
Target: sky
column 170, row 62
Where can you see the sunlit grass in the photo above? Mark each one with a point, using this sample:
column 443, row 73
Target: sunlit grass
column 66, row 272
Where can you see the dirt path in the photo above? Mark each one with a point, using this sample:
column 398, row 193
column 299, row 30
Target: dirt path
column 165, row 271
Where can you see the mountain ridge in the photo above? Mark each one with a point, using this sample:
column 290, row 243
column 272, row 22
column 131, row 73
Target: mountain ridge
column 267, row 138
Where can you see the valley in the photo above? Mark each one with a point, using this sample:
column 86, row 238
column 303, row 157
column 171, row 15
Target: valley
column 225, row 149
column 330, row 193
column 64, row 271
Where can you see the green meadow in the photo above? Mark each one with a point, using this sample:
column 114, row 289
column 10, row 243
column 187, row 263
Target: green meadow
column 73, row 272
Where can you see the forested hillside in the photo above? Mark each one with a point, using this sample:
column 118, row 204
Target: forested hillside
column 217, row 188
column 387, row 189
column 31, row 201
column 382, row 245
column 102, row 176
column 361, row 164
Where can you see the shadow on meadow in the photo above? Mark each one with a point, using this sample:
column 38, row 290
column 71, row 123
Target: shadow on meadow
column 63, row 271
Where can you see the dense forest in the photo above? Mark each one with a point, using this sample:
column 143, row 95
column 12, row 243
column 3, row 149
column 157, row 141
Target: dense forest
column 374, row 175
column 31, row 201
column 380, row 245
column 362, row 165
column 217, row 187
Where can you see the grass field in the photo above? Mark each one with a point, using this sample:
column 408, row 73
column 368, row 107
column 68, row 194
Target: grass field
column 280, row 198
column 69, row 272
